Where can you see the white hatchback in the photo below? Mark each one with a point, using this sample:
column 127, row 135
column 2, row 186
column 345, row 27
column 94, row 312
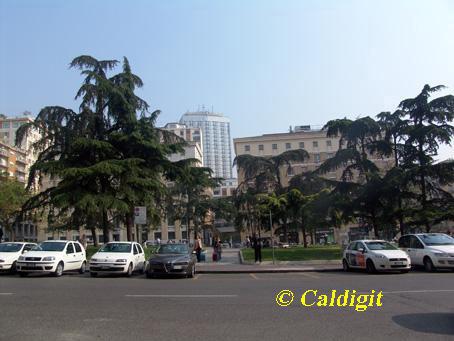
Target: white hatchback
column 118, row 258
column 431, row 250
column 375, row 255
column 10, row 253
column 53, row 256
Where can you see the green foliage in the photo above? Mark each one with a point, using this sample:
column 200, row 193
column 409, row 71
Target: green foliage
column 12, row 197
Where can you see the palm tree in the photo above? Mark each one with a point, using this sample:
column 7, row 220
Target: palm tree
column 265, row 171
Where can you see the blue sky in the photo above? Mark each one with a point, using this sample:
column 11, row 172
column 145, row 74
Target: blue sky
column 265, row 64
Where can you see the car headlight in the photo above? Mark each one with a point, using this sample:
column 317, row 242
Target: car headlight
column 441, row 254
column 21, row 258
column 121, row 261
column 47, row 259
column 380, row 256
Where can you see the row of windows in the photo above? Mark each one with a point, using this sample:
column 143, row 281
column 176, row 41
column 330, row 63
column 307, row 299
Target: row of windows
column 288, row 145
column 6, row 125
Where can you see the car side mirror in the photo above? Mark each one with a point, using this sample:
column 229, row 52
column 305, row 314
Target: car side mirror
column 362, row 250
column 25, row 251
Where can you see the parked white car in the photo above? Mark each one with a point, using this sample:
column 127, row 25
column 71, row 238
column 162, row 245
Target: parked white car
column 10, row 252
column 431, row 250
column 53, row 256
column 118, row 258
column 375, row 255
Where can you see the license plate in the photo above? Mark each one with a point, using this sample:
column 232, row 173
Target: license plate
column 399, row 263
column 105, row 267
column 32, row 265
column 178, row 267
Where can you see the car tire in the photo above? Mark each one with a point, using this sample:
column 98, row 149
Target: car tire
column 59, row 270
column 192, row 273
column 345, row 265
column 93, row 274
column 428, row 264
column 23, row 274
column 370, row 267
column 13, row 269
column 83, row 268
column 130, row 270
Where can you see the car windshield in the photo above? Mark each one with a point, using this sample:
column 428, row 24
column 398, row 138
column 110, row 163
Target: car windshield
column 10, row 247
column 380, row 246
column 173, row 249
column 50, row 246
column 437, row 239
column 116, row 247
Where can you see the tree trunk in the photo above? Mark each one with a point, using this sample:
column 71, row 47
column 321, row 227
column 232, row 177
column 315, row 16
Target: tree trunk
column 105, row 226
column 128, row 220
column 303, row 229
column 285, row 233
column 374, row 225
column 93, row 235
column 401, row 217
column 312, row 234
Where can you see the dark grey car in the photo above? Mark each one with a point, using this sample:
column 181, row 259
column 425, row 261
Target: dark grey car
column 172, row 259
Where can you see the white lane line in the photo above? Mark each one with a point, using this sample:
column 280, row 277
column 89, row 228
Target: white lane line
column 310, row 275
column 6, row 293
column 254, row 276
column 184, row 296
column 416, row 291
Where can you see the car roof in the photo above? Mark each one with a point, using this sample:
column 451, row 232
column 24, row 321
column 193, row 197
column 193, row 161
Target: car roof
column 422, row 234
column 369, row 240
column 121, row 242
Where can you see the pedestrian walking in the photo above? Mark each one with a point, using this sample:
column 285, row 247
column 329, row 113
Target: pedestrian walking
column 257, row 245
column 219, row 249
column 198, row 248
column 248, row 242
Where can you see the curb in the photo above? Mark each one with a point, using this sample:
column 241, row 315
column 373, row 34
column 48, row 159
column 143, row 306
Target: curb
column 249, row 271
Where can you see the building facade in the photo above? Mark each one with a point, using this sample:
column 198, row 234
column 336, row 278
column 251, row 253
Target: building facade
column 217, row 151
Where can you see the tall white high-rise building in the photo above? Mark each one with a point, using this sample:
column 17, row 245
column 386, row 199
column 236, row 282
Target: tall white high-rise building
column 217, row 151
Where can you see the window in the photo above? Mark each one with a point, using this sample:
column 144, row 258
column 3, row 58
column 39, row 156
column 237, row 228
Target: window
column 415, row 243
column 16, row 124
column 5, row 125
column 317, row 158
column 135, row 249
column 70, row 248
column 301, row 145
column 288, row 145
column 289, row 171
column 247, row 148
column 140, row 248
column 328, row 143
column 261, row 147
column 404, row 242
column 78, row 248
column 171, row 235
column 329, row 155
column 315, row 144
column 274, row 146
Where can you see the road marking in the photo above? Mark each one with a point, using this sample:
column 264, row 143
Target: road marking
column 416, row 291
column 309, row 275
column 254, row 276
column 6, row 293
column 184, row 296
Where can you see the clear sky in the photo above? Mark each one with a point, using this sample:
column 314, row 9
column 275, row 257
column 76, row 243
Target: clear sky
column 265, row 64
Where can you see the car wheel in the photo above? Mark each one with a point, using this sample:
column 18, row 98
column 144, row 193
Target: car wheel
column 192, row 273
column 93, row 274
column 370, row 267
column 83, row 267
column 129, row 272
column 59, row 270
column 428, row 265
column 345, row 265
column 23, row 274
column 13, row 270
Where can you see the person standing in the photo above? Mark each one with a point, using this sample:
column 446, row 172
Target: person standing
column 198, row 248
column 219, row 249
column 257, row 245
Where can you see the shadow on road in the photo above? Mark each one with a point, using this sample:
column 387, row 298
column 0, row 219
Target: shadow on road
column 434, row 323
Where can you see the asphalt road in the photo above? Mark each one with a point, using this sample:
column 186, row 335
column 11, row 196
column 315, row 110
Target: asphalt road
column 416, row 306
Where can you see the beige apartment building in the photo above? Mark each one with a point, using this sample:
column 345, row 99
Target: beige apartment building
column 320, row 148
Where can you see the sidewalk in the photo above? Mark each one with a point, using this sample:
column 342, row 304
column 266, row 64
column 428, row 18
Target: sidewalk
column 230, row 263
